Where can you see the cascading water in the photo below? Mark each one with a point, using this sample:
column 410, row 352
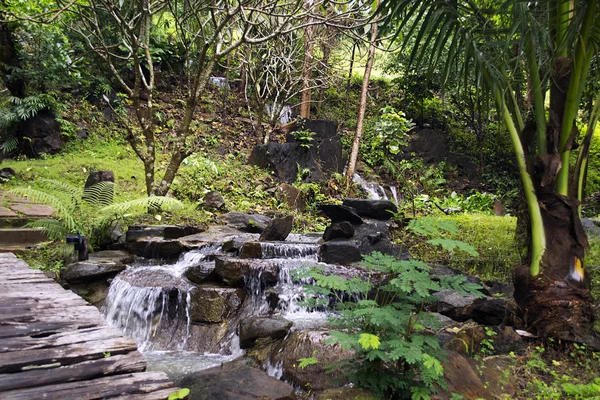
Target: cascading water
column 376, row 191
column 147, row 301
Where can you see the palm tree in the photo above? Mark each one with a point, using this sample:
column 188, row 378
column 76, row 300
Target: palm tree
column 544, row 48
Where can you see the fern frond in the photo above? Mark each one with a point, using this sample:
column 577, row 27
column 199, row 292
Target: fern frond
column 53, row 228
column 59, row 186
column 63, row 212
column 141, row 205
column 99, row 194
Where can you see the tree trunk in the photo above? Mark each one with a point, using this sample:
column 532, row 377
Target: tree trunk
column 363, row 104
column 307, row 72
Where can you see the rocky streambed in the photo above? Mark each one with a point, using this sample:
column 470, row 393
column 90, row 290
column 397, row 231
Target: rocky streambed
column 195, row 299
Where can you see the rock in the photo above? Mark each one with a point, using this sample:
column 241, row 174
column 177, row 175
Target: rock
column 156, row 248
column 491, row 311
column 148, row 278
column 100, row 265
column 236, row 272
column 499, row 209
column 43, row 131
column 214, row 304
column 291, row 196
column 339, row 213
column 7, row 173
column 278, row 229
column 96, row 177
column 496, row 373
column 452, row 304
column 591, row 229
column 306, row 344
column 251, row 250
column 234, row 381
column 253, row 328
column 82, row 132
column 373, row 236
column 321, row 159
column 346, row 393
column 338, row 230
column 213, row 201
column 93, row 292
column 254, row 223
column 138, row 232
column 339, row 252
column 201, row 272
column 461, row 377
column 378, row 209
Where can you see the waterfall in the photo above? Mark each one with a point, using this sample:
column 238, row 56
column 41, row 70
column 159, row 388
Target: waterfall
column 151, row 304
column 376, row 191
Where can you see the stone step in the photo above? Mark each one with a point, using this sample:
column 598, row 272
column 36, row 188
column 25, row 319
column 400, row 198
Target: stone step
column 18, row 239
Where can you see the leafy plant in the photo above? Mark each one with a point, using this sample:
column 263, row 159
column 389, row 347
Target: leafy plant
column 304, row 136
column 180, row 394
column 90, row 211
column 385, row 323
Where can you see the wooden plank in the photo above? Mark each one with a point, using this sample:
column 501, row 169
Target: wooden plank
column 116, row 386
column 39, row 328
column 119, row 364
column 15, row 361
column 58, row 339
column 53, row 345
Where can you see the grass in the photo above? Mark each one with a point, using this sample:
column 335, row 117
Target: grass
column 492, row 237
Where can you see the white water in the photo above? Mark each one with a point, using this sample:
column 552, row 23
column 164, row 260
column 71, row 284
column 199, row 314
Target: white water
column 303, row 251
column 143, row 311
column 376, row 191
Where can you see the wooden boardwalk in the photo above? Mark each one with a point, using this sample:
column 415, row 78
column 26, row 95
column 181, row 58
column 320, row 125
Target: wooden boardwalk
column 54, row 345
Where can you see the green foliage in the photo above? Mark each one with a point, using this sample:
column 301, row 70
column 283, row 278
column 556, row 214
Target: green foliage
column 493, row 238
column 583, row 391
column 385, row 136
column 476, row 202
column 385, row 325
column 308, row 361
column 89, row 212
column 180, row 394
column 304, row 137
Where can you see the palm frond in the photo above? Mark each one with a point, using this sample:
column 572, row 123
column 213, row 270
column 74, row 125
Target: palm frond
column 59, row 186
column 10, row 143
column 63, row 211
column 99, row 194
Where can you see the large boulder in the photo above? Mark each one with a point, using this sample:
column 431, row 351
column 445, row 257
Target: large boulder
column 278, row 229
column 201, row 272
column 43, row 133
column 305, row 344
column 100, row 265
column 253, row 223
column 214, row 304
column 377, row 209
column 338, row 230
column 290, row 195
column 374, row 235
column 320, row 160
column 96, row 177
column 235, row 381
column 236, row 272
column 253, row 328
column 339, row 252
column 339, row 213
column 156, row 248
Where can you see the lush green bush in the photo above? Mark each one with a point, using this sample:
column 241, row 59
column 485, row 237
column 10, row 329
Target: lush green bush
column 384, row 323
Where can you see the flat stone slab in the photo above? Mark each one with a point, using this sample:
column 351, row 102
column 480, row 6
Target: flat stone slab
column 32, row 210
column 7, row 213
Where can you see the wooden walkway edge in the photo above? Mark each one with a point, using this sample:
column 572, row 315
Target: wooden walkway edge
column 55, row 345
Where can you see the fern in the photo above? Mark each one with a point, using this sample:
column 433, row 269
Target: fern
column 451, row 245
column 10, row 143
column 99, row 194
column 432, row 226
column 71, row 215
